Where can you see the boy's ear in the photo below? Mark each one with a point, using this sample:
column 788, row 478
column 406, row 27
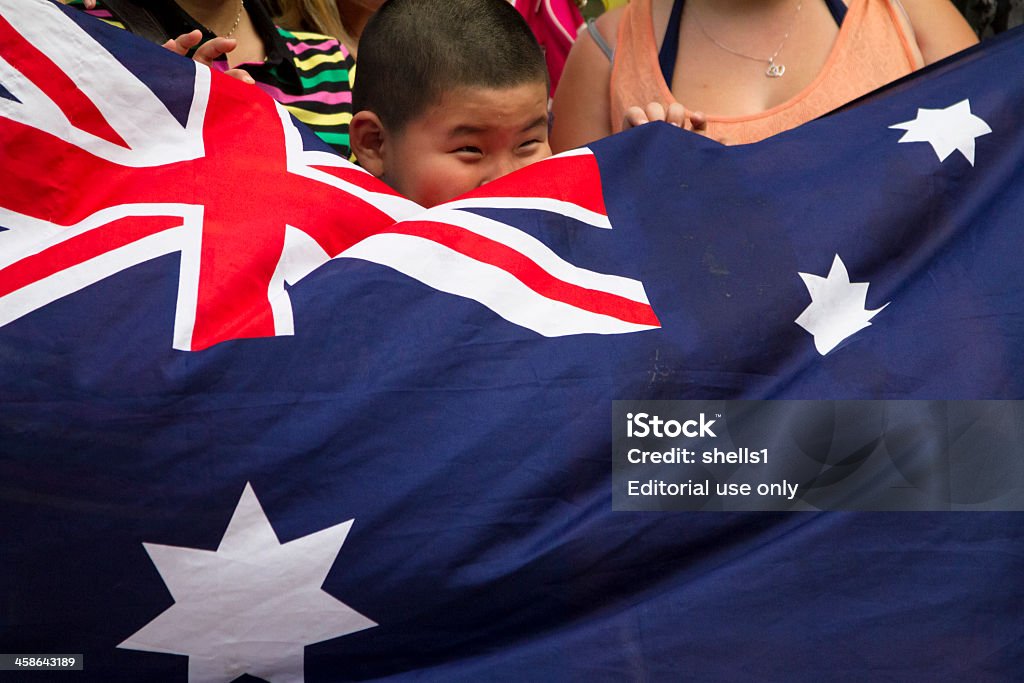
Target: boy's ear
column 366, row 135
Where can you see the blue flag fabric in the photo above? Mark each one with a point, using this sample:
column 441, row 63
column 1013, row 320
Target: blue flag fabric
column 413, row 486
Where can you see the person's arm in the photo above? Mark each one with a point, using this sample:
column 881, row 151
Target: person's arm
column 940, row 28
column 581, row 106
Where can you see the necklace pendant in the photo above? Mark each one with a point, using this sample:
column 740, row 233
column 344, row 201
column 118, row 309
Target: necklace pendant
column 775, row 70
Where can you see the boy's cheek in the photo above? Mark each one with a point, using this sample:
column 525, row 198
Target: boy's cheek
column 417, row 182
column 428, row 192
column 442, row 183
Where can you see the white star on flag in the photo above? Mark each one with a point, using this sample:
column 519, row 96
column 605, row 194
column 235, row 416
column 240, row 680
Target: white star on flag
column 837, row 307
column 251, row 606
column 949, row 129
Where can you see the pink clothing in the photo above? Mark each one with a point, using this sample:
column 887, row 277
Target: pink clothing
column 554, row 24
column 873, row 47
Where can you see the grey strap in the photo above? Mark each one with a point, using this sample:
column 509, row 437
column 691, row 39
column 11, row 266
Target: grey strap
column 599, row 40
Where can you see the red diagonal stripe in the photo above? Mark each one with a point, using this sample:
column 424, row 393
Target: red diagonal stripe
column 55, row 180
column 575, row 179
column 358, row 178
column 338, row 220
column 46, row 76
column 81, row 248
column 528, row 272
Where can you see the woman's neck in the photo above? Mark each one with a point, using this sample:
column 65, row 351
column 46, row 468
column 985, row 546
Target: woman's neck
column 229, row 18
column 222, row 17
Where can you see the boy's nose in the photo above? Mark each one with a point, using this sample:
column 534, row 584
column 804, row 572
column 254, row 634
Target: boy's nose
column 500, row 166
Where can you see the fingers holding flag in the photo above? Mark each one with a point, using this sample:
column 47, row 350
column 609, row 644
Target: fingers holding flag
column 207, row 52
column 675, row 114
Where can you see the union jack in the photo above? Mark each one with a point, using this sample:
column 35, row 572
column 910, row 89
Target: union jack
column 176, row 183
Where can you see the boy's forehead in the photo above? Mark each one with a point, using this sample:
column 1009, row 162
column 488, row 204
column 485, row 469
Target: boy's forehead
column 468, row 107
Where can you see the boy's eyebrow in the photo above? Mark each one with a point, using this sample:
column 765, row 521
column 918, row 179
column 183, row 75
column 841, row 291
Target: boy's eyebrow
column 469, row 129
column 539, row 121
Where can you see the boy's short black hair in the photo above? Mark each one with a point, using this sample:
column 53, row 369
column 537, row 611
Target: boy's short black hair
column 413, row 51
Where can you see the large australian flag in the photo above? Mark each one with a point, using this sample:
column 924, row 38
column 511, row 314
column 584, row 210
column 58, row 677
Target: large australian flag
column 263, row 419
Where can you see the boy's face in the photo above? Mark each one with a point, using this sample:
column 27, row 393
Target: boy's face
column 472, row 136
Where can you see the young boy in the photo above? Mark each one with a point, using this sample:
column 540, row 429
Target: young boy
column 448, row 96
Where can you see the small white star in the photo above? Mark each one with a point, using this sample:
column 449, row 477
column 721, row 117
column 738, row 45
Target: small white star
column 837, row 307
column 949, row 129
column 252, row 606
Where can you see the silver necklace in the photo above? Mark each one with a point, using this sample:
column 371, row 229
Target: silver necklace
column 774, row 70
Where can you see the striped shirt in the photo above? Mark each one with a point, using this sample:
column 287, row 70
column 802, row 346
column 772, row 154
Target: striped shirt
column 309, row 73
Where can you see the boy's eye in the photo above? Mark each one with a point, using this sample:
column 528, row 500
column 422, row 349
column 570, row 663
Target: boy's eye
column 531, row 146
column 468, row 149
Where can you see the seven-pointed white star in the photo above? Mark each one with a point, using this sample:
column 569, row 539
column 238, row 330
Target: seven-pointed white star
column 251, row 606
column 949, row 129
column 837, row 307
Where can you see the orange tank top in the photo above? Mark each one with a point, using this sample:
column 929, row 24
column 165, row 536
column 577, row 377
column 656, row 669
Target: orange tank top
column 873, row 47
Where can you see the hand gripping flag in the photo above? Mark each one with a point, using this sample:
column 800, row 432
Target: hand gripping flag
column 264, row 420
